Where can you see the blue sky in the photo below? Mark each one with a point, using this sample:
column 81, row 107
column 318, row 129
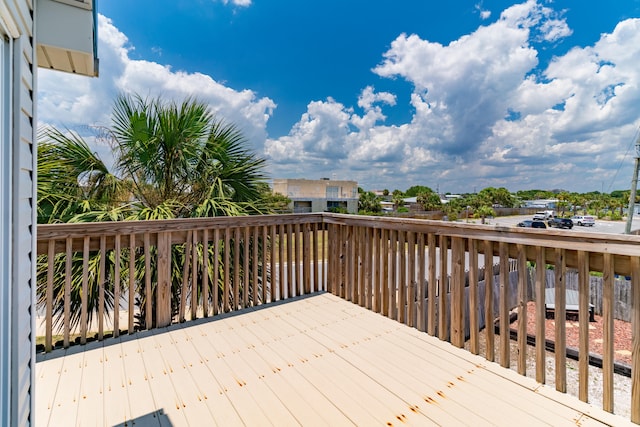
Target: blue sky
column 452, row 95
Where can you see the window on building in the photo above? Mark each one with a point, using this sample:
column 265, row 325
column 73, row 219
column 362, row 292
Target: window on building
column 333, row 192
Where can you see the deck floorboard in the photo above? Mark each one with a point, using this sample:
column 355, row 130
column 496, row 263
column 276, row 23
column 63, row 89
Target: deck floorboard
column 316, row 360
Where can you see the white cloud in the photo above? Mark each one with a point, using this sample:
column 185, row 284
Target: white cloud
column 72, row 101
column 481, row 115
column 484, row 14
column 242, row 3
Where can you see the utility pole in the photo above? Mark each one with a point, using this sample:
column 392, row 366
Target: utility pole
column 634, row 188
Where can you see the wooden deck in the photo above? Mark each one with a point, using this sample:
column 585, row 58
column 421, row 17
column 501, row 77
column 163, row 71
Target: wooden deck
column 316, row 360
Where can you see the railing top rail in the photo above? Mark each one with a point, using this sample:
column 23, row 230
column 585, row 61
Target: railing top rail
column 75, row 230
column 617, row 244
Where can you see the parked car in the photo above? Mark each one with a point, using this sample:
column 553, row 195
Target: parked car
column 532, row 224
column 561, row 223
column 542, row 215
column 583, row 220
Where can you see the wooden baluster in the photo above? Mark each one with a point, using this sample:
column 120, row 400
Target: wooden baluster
column 132, row 283
column 402, row 277
column 368, row 267
column 101, row 279
column 216, row 271
column 583, row 319
column 411, row 278
column 185, row 275
column 85, row 291
column 246, row 285
column 607, row 333
column 541, row 352
column 393, row 278
column 194, row 275
column 163, row 292
column 51, row 258
column 226, row 291
column 505, row 352
column 385, row 283
column 316, row 264
column 67, row 291
column 422, row 319
column 290, row 261
column 474, row 327
column 117, row 254
column 443, row 290
column 237, row 303
column 255, row 262
column 353, row 242
column 432, row 285
column 377, row 292
column 560, row 321
column 147, row 281
column 522, row 309
column 281, row 273
column 488, row 301
column 265, row 253
column 205, row 272
column 273, row 278
column 306, row 259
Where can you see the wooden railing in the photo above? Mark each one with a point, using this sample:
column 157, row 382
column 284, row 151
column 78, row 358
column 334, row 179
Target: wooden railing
column 417, row 272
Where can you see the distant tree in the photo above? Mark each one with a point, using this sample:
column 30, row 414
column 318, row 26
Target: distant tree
column 385, row 192
column 417, row 189
column 483, row 212
column 564, row 201
column 453, row 208
column 429, row 200
column 368, row 202
column 497, row 196
column 274, row 202
column 398, row 199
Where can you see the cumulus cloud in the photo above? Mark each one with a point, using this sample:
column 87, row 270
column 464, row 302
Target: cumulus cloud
column 484, row 113
column 74, row 101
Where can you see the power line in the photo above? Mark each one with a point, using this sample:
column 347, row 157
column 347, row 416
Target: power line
column 624, row 158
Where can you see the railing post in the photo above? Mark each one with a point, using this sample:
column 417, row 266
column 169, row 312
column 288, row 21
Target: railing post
column 163, row 301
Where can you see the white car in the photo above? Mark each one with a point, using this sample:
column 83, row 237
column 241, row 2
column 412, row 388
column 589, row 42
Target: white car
column 587, row 221
column 542, row 215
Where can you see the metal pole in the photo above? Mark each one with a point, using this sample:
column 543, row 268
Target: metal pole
column 634, row 187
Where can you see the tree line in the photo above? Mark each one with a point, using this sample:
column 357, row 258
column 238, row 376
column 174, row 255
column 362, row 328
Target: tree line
column 483, row 203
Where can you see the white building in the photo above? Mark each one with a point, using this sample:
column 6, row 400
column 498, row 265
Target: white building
column 59, row 35
column 318, row 195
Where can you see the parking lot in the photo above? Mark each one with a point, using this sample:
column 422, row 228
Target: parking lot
column 601, row 226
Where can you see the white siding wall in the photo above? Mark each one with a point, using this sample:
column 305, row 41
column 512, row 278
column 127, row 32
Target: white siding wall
column 5, row 228
column 17, row 195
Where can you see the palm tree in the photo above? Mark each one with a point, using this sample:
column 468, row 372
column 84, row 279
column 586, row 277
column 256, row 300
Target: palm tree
column 484, row 211
column 171, row 161
column 368, row 202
